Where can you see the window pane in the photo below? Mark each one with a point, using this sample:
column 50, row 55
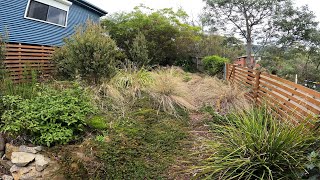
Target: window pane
column 57, row 16
column 38, row 10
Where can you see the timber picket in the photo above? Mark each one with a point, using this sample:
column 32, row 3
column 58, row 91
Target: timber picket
column 21, row 59
column 290, row 101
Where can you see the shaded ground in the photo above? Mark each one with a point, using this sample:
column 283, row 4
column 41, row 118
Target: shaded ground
column 199, row 132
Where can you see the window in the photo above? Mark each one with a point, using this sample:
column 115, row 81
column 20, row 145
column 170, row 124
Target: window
column 51, row 11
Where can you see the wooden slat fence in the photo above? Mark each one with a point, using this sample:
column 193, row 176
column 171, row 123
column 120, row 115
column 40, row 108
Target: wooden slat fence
column 21, row 59
column 289, row 101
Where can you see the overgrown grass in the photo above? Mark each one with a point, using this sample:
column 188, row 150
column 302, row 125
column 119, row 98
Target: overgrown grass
column 170, row 88
column 255, row 145
column 140, row 145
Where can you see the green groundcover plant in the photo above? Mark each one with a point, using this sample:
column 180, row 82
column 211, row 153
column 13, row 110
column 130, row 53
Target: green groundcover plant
column 255, row 145
column 52, row 117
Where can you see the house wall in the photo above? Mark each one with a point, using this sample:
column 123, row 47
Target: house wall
column 21, row 30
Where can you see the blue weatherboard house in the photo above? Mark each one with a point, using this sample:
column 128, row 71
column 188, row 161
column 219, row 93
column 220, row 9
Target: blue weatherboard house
column 44, row 22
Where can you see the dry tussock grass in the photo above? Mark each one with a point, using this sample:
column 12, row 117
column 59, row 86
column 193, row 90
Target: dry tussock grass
column 171, row 88
column 211, row 91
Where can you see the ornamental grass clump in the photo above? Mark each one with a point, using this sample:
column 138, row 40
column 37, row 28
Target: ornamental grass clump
column 255, row 145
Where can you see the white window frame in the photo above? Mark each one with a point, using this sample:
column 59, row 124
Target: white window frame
column 60, row 4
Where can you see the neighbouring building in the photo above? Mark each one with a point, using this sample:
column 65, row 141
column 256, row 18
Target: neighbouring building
column 241, row 61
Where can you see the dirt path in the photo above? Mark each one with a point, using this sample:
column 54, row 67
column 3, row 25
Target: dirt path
column 199, row 132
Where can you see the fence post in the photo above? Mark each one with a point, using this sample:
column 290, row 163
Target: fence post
column 233, row 71
column 256, row 86
column 225, row 71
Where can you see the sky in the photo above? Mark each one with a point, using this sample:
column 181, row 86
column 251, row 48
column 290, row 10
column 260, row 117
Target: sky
column 192, row 7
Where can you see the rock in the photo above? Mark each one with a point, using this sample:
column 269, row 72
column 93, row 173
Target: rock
column 38, row 148
column 7, row 177
column 41, row 162
column 10, row 149
column 27, row 149
column 6, row 164
column 22, row 158
column 2, row 142
column 14, row 169
column 25, row 173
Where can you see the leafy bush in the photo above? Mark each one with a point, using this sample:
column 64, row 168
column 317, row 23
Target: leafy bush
column 139, row 52
column 213, row 65
column 89, row 53
column 52, row 117
column 255, row 145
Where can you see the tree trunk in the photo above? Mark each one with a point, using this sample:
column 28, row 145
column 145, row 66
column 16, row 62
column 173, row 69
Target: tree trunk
column 249, row 52
column 249, row 42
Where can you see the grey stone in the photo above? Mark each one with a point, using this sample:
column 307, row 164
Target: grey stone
column 41, row 162
column 27, row 149
column 14, row 169
column 7, row 177
column 22, row 158
column 38, row 148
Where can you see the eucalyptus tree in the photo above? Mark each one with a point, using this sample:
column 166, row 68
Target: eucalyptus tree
column 251, row 19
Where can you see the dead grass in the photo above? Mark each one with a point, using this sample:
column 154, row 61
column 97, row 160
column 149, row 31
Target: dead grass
column 211, row 91
column 171, row 88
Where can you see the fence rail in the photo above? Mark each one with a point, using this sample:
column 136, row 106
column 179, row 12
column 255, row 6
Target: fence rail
column 21, row 59
column 288, row 100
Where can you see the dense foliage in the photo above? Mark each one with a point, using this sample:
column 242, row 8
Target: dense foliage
column 214, row 65
column 255, row 145
column 89, row 54
column 168, row 37
column 51, row 117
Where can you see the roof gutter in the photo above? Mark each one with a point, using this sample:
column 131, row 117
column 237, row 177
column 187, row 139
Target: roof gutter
column 88, row 5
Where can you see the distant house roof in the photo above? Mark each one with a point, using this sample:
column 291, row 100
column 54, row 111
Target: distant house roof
column 90, row 6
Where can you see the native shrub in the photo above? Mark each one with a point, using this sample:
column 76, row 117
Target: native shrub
column 213, row 65
column 52, row 117
column 89, row 54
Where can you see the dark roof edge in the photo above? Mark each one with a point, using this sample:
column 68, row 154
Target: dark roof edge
column 86, row 4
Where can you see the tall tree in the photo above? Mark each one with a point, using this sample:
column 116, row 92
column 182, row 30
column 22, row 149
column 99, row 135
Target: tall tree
column 250, row 18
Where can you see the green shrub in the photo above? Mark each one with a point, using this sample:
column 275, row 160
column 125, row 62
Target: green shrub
column 255, row 145
column 139, row 52
column 52, row 117
column 89, row 53
column 213, row 65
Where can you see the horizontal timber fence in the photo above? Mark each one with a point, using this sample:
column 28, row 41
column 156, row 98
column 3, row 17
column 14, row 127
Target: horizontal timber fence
column 21, row 59
column 288, row 100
